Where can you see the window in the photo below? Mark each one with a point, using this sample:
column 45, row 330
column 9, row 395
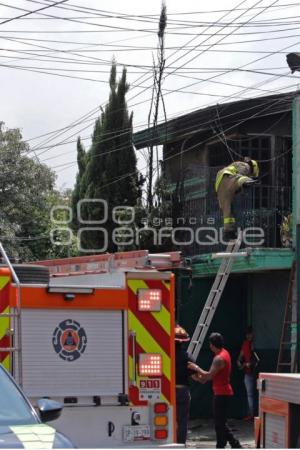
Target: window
column 218, row 155
column 14, row 410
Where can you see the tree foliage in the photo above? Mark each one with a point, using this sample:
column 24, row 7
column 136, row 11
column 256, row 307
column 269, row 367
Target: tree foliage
column 26, row 197
column 79, row 184
column 110, row 172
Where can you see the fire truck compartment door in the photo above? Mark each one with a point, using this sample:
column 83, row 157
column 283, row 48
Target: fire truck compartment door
column 72, row 353
column 274, row 435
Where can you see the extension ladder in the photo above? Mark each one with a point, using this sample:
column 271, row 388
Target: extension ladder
column 287, row 349
column 214, row 296
column 13, row 333
column 108, row 262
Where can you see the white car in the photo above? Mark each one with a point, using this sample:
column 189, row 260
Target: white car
column 21, row 426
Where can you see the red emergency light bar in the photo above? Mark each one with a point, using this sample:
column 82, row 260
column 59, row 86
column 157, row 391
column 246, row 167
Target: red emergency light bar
column 150, row 364
column 149, row 299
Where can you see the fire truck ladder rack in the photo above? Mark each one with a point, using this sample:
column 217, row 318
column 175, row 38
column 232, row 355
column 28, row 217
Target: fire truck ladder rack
column 109, row 262
column 287, row 349
column 215, row 294
column 15, row 323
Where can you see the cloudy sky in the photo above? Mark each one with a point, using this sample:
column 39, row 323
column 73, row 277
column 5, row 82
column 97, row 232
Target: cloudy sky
column 55, row 63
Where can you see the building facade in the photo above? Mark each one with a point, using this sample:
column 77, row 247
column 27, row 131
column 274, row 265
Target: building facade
column 195, row 147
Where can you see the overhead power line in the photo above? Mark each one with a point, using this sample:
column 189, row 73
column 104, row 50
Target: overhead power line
column 266, row 106
column 136, row 17
column 182, row 47
column 184, row 68
column 269, row 105
column 33, row 12
column 183, row 130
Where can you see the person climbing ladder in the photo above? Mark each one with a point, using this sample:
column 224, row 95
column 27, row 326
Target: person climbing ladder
column 229, row 182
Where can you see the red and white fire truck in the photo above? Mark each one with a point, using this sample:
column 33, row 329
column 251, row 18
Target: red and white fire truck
column 97, row 336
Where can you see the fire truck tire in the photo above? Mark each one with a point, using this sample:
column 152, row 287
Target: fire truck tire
column 31, row 274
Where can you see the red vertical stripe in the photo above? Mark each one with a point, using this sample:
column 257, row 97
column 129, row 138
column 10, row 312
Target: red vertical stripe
column 151, row 325
column 155, row 330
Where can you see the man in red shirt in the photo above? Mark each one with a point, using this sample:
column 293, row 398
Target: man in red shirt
column 246, row 361
column 219, row 373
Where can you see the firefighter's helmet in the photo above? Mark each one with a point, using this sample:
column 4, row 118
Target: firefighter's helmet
column 253, row 165
column 181, row 335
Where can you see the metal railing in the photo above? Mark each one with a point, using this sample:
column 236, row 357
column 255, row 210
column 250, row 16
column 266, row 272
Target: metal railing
column 262, row 206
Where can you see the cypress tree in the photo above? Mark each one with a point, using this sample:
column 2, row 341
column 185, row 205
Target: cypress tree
column 76, row 194
column 111, row 172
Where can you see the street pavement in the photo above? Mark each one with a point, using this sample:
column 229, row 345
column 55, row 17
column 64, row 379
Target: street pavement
column 202, row 434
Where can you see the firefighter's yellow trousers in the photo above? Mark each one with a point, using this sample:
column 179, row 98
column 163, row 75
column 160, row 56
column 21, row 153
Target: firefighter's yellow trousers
column 228, row 188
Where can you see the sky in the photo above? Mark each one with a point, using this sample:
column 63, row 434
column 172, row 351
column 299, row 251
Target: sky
column 55, row 63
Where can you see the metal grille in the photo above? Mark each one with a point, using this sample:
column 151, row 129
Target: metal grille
column 263, row 206
column 97, row 371
column 285, row 388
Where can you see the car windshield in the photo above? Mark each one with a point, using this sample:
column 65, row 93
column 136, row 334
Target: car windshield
column 14, row 410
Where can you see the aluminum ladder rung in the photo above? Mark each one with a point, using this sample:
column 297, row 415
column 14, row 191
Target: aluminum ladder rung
column 287, row 347
column 214, row 296
column 221, row 274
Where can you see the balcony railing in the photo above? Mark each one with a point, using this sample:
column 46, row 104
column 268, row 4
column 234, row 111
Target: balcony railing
column 260, row 208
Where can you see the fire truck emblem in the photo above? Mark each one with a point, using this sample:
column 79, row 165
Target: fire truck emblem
column 69, row 340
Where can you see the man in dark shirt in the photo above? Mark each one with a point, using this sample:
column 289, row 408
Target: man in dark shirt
column 183, row 395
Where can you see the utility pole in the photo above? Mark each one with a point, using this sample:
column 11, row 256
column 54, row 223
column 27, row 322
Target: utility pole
column 296, row 210
column 158, row 70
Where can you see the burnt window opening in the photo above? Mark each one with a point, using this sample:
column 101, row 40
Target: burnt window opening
column 257, row 147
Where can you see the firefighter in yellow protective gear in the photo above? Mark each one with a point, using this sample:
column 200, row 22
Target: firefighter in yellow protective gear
column 229, row 182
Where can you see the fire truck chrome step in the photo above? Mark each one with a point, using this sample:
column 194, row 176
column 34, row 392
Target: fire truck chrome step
column 9, row 315
column 9, row 349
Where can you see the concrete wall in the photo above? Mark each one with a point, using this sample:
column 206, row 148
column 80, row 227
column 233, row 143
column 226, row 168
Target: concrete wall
column 267, row 300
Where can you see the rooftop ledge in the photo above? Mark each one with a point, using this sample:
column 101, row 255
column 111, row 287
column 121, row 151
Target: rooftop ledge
column 259, row 259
